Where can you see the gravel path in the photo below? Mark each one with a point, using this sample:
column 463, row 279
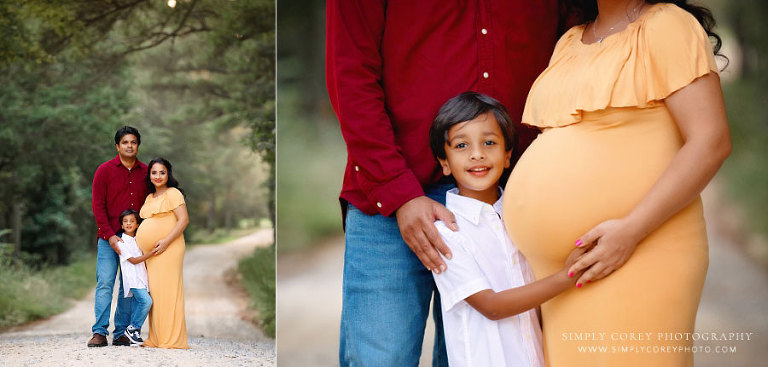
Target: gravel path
column 217, row 334
column 735, row 300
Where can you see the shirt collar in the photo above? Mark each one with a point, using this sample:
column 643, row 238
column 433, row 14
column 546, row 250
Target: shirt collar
column 117, row 162
column 470, row 208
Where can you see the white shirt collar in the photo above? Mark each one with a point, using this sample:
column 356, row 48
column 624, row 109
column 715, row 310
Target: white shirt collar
column 470, row 208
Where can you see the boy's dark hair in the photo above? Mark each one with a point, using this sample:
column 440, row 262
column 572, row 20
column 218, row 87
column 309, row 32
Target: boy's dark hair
column 124, row 214
column 126, row 130
column 465, row 107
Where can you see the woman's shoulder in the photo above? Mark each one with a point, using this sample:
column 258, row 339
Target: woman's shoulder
column 669, row 20
column 567, row 39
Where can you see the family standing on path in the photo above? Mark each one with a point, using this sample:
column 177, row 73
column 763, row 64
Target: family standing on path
column 150, row 255
column 620, row 132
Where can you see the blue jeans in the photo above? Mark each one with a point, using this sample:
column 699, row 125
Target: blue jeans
column 107, row 263
column 140, row 306
column 386, row 295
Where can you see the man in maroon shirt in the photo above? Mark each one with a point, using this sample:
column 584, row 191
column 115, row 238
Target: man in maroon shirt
column 390, row 65
column 118, row 184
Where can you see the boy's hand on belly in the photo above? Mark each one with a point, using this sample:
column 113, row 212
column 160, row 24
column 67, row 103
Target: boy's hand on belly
column 416, row 220
column 614, row 242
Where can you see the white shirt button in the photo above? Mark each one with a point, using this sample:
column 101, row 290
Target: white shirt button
column 357, row 168
column 484, row 31
column 485, row 75
column 378, row 204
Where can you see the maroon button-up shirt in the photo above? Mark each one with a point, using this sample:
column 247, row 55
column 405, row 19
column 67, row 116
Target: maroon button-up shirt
column 391, row 64
column 115, row 189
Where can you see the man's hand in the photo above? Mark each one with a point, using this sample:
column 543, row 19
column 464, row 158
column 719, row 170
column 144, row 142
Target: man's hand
column 416, row 220
column 113, row 243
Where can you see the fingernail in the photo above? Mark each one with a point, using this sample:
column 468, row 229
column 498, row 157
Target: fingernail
column 448, row 256
column 454, row 227
column 570, row 275
column 589, row 281
column 578, row 285
column 578, row 242
column 442, row 267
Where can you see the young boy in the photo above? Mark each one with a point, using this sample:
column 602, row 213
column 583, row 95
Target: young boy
column 135, row 283
column 488, row 291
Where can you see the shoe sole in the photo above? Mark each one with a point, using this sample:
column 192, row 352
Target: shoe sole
column 133, row 341
column 121, row 344
column 97, row 345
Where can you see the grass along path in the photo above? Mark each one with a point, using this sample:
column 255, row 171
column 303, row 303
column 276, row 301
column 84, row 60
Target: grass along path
column 217, row 333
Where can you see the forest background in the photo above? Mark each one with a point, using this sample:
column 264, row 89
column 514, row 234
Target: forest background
column 196, row 77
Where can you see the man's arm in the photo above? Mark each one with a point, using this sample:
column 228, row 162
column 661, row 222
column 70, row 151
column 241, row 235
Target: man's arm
column 353, row 77
column 99, row 208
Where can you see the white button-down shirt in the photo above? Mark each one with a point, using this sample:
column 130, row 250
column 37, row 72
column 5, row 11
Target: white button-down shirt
column 134, row 275
column 484, row 258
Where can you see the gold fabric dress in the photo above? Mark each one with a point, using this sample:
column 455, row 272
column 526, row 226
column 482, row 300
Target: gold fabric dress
column 167, row 323
column 607, row 137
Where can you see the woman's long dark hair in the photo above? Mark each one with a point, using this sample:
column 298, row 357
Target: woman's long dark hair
column 172, row 182
column 584, row 11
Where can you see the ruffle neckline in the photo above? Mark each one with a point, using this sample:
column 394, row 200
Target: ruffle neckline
column 662, row 51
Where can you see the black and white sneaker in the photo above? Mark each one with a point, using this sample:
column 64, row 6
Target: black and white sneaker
column 134, row 335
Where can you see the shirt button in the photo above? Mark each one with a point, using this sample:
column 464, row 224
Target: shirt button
column 485, row 75
column 130, row 182
column 357, row 168
column 378, row 204
column 484, row 31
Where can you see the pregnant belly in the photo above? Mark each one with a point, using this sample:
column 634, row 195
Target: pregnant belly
column 154, row 229
column 574, row 177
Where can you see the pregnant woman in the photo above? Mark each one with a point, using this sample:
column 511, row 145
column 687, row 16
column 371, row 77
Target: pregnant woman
column 165, row 217
column 633, row 128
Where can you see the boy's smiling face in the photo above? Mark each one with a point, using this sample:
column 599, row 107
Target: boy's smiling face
column 130, row 224
column 475, row 156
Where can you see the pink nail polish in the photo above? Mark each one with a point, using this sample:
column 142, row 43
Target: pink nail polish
column 578, row 285
column 570, row 275
column 579, row 243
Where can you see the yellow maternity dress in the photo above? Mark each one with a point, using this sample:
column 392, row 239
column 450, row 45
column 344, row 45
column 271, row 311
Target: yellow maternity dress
column 607, row 137
column 167, row 324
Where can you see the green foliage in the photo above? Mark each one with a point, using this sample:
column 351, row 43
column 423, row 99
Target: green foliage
column 50, row 120
column 745, row 168
column 197, row 80
column 311, row 168
column 27, row 294
column 258, row 271
column 311, row 151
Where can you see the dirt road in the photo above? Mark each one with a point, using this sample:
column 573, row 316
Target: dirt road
column 217, row 334
column 734, row 301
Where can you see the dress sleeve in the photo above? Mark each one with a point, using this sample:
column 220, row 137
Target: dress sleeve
column 174, row 198
column 676, row 52
column 462, row 277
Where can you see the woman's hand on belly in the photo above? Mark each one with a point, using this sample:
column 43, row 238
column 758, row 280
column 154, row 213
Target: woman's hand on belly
column 612, row 242
column 160, row 246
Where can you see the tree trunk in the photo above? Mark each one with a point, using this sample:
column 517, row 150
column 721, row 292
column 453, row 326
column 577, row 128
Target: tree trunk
column 17, row 209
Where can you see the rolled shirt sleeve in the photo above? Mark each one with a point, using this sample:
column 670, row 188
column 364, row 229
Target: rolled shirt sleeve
column 463, row 276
